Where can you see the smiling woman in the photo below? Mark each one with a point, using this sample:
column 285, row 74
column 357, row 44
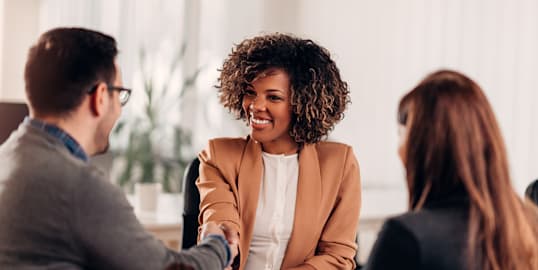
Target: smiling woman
column 267, row 103
column 264, row 187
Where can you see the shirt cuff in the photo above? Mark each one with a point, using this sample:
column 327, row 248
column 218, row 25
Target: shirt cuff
column 225, row 242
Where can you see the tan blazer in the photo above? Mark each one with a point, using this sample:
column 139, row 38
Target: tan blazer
column 327, row 205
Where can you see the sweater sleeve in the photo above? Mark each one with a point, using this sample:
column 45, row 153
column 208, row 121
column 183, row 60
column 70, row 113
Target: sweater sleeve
column 396, row 248
column 110, row 236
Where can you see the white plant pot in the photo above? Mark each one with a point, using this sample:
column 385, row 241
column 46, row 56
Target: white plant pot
column 147, row 196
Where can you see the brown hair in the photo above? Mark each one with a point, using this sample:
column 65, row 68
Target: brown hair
column 64, row 65
column 318, row 95
column 454, row 144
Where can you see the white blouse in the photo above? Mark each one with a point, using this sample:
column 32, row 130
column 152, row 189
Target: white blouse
column 275, row 212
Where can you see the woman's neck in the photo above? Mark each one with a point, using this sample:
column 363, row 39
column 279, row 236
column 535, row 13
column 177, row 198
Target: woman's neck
column 280, row 149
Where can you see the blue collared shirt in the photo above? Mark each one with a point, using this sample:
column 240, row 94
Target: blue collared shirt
column 69, row 142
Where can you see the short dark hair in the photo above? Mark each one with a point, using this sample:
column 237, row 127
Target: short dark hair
column 318, row 95
column 64, row 65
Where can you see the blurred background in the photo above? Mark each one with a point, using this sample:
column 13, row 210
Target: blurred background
column 170, row 52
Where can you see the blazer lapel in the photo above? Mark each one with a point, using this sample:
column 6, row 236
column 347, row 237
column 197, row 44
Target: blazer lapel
column 248, row 184
column 307, row 203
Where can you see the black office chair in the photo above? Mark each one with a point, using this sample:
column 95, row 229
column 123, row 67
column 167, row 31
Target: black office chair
column 191, row 205
column 532, row 191
column 11, row 115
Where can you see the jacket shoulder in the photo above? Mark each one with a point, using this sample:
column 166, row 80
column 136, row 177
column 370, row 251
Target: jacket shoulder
column 440, row 234
column 228, row 143
column 332, row 146
column 223, row 150
column 430, row 224
column 230, row 147
column 334, row 151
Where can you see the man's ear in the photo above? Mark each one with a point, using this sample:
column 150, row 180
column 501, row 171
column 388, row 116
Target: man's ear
column 99, row 99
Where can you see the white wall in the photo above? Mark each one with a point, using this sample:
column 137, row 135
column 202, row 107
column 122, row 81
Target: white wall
column 385, row 47
column 18, row 32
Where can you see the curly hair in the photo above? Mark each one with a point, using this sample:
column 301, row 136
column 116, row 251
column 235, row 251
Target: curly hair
column 318, row 95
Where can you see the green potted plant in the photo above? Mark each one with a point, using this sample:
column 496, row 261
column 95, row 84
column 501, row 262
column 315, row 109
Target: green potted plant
column 157, row 149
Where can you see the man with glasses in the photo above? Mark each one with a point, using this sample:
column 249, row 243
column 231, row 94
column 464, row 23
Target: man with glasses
column 56, row 210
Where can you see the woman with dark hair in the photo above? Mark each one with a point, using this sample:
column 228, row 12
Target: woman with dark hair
column 292, row 197
column 464, row 213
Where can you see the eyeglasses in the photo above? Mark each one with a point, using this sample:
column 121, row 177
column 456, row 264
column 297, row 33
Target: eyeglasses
column 124, row 93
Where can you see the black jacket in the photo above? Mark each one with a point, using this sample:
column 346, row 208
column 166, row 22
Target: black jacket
column 434, row 237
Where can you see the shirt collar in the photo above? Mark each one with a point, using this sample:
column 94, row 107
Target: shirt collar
column 72, row 145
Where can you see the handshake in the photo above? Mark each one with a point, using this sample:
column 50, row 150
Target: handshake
column 223, row 229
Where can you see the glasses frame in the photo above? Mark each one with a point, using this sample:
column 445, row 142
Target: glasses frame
column 124, row 93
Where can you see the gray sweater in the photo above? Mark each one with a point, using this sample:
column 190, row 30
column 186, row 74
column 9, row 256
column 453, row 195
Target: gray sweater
column 58, row 212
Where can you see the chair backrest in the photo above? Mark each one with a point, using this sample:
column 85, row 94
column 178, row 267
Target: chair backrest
column 11, row 115
column 532, row 191
column 191, row 205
